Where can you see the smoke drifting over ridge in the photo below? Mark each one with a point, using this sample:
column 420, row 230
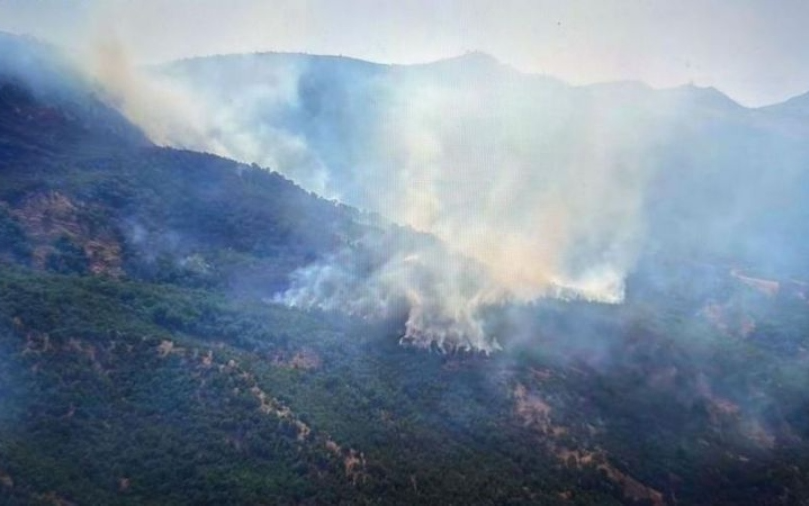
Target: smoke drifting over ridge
column 164, row 112
column 534, row 190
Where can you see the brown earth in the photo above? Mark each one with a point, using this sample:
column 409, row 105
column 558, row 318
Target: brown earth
column 535, row 412
column 47, row 217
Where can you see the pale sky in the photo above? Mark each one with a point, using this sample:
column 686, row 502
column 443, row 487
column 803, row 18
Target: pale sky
column 756, row 51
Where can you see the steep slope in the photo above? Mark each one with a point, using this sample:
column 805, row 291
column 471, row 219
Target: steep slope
column 46, row 106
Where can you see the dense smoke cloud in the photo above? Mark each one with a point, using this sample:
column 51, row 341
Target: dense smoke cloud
column 505, row 180
column 440, row 294
column 534, row 189
column 165, row 112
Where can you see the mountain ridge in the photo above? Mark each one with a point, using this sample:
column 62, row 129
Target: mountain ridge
column 483, row 61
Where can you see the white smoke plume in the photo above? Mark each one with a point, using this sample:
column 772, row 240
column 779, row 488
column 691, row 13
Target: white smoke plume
column 441, row 294
column 165, row 113
column 534, row 187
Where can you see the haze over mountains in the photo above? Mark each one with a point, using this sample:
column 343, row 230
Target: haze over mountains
column 549, row 189
column 181, row 328
column 554, row 189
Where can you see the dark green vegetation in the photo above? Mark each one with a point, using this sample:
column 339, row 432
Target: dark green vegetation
column 141, row 364
column 131, row 392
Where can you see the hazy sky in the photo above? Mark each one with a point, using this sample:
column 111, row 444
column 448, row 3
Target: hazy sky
column 754, row 50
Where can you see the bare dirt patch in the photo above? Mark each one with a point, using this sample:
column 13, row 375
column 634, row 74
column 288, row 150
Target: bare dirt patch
column 303, row 359
column 535, row 412
column 6, row 480
column 47, row 217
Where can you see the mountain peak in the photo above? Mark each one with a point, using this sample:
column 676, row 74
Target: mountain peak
column 703, row 95
column 471, row 60
column 476, row 58
column 797, row 106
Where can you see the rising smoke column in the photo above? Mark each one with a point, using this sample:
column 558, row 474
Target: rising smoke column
column 534, row 188
column 540, row 193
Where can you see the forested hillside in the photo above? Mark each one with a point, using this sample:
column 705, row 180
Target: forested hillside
column 144, row 358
